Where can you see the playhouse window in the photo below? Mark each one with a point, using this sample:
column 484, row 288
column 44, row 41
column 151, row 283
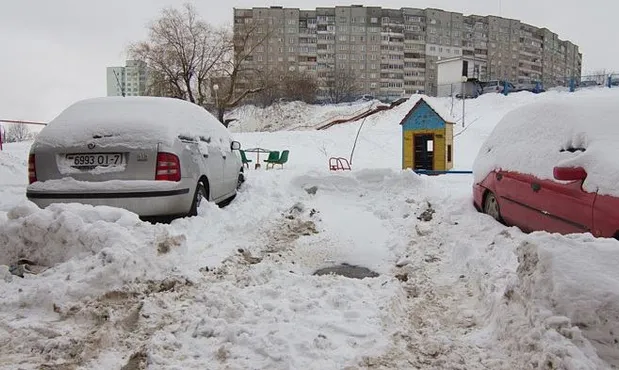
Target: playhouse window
column 448, row 153
column 430, row 145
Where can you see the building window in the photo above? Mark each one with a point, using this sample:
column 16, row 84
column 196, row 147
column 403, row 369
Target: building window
column 449, row 153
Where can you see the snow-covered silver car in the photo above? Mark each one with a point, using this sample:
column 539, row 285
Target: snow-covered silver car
column 152, row 156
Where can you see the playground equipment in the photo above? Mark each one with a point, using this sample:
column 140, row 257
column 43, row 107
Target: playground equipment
column 342, row 164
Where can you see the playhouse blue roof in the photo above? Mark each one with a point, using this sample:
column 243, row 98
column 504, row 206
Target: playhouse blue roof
column 416, row 101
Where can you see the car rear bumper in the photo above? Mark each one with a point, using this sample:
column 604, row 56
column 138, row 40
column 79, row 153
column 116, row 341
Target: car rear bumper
column 145, row 198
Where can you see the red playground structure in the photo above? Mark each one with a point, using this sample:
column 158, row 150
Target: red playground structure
column 339, row 164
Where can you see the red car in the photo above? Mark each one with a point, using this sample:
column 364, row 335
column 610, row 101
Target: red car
column 552, row 167
column 533, row 204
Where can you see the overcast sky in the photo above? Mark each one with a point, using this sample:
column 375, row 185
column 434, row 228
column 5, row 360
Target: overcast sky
column 54, row 52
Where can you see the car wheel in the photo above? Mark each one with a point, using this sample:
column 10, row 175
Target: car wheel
column 491, row 207
column 199, row 196
column 240, row 181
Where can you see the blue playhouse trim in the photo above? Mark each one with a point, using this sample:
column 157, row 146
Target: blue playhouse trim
column 435, row 172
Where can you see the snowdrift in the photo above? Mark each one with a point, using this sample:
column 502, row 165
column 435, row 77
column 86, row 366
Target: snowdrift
column 575, row 131
column 234, row 287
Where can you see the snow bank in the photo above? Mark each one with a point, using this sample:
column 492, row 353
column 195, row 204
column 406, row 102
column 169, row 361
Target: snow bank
column 61, row 232
column 537, row 137
column 138, row 119
column 548, row 301
column 13, row 174
column 575, row 281
column 291, row 115
column 83, row 252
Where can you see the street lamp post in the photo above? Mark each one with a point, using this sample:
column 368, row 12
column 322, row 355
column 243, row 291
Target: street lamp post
column 215, row 88
column 463, row 93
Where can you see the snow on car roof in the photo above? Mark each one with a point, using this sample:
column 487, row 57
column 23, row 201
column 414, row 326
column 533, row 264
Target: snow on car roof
column 571, row 131
column 139, row 118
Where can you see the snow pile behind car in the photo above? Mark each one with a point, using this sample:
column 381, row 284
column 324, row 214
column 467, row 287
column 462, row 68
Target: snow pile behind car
column 577, row 130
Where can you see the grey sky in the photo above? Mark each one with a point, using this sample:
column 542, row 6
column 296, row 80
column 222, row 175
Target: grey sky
column 55, row 52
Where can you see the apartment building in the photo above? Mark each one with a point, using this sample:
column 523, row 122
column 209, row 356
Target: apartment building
column 391, row 52
column 130, row 80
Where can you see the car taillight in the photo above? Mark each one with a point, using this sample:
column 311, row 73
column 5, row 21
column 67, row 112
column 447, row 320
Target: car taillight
column 32, row 169
column 168, row 167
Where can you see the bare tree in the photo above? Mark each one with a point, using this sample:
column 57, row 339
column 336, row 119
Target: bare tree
column 17, row 132
column 182, row 53
column 272, row 89
column 344, row 86
column 300, row 86
column 187, row 57
column 236, row 77
column 291, row 85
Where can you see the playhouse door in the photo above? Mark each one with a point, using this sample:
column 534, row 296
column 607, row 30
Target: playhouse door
column 424, row 152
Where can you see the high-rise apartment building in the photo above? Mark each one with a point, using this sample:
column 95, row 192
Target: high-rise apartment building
column 394, row 51
column 130, row 79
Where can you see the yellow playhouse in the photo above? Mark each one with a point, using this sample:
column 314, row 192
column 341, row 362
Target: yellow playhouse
column 427, row 139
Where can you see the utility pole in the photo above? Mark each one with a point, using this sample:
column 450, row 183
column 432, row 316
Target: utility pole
column 464, row 80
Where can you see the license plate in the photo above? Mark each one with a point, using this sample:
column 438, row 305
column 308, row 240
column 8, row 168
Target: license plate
column 95, row 160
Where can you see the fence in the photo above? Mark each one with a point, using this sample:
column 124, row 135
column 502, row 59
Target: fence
column 20, row 134
column 474, row 88
column 586, row 82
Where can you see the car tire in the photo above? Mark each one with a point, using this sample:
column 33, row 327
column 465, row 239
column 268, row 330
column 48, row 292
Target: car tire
column 491, row 206
column 240, row 180
column 199, row 196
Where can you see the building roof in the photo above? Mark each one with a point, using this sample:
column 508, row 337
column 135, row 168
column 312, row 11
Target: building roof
column 448, row 60
column 444, row 115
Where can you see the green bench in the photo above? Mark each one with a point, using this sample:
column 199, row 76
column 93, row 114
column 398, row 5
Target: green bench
column 244, row 159
column 275, row 158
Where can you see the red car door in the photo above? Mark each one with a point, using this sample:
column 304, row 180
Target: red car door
column 513, row 191
column 606, row 216
column 566, row 207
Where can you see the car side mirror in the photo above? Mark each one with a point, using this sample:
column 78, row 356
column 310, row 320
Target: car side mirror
column 569, row 173
column 235, row 145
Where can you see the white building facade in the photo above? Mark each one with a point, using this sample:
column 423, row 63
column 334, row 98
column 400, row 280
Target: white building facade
column 450, row 73
column 130, row 80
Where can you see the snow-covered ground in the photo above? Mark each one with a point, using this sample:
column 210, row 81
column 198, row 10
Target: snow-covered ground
column 233, row 288
column 292, row 115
